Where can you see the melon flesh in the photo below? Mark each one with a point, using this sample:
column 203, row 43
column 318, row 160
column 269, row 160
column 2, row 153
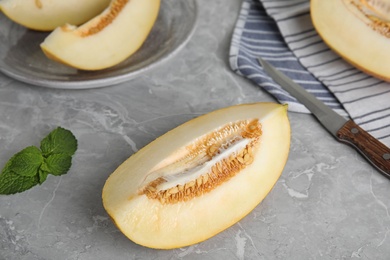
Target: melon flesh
column 156, row 224
column 46, row 15
column 107, row 39
column 358, row 30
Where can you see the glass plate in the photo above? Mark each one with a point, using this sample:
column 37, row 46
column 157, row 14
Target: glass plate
column 23, row 60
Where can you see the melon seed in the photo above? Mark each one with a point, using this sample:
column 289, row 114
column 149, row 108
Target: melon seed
column 376, row 12
column 115, row 8
column 221, row 171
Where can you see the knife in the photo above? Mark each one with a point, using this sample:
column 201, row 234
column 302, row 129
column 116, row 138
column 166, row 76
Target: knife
column 345, row 131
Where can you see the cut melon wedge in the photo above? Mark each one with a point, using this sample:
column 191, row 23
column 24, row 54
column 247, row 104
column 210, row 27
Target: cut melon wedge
column 358, row 30
column 46, row 15
column 201, row 177
column 107, row 39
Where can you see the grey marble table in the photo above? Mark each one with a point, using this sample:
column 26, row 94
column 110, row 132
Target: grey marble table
column 328, row 204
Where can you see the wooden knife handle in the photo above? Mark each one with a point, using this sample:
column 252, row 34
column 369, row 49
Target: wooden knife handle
column 375, row 152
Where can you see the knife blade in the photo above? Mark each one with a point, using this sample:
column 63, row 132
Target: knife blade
column 345, row 131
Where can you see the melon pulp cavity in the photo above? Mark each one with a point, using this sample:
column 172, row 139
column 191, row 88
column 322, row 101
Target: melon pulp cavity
column 107, row 39
column 201, row 177
column 46, row 15
column 358, row 30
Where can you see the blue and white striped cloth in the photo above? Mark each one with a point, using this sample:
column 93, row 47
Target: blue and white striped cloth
column 281, row 32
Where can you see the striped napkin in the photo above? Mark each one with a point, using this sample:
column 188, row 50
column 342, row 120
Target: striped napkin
column 281, row 32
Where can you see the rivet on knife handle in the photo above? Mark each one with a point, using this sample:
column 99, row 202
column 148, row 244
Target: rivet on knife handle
column 376, row 152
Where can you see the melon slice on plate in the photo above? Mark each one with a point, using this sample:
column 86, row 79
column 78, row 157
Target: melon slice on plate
column 46, row 15
column 201, row 177
column 358, row 30
column 107, row 39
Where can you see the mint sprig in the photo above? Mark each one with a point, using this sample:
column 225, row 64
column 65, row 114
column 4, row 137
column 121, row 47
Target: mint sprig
column 32, row 165
column 59, row 141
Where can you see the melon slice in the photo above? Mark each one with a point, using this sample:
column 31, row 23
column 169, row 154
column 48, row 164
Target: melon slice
column 201, row 177
column 46, row 15
column 358, row 30
column 107, row 39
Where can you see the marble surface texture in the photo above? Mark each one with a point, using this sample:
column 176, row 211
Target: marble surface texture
column 328, row 203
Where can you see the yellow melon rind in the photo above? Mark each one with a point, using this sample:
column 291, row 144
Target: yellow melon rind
column 347, row 32
column 46, row 15
column 107, row 39
column 152, row 224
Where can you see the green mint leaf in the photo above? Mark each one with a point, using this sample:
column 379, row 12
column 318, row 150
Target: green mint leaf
column 57, row 164
column 42, row 175
column 26, row 162
column 31, row 166
column 11, row 183
column 44, row 167
column 60, row 140
column 7, row 165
